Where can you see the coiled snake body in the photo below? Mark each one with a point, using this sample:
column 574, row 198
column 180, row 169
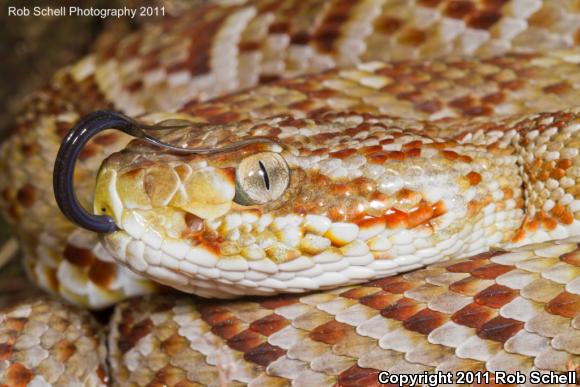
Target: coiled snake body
column 386, row 158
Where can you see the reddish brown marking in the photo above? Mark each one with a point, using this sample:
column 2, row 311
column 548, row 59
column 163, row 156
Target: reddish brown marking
column 78, row 256
column 64, row 350
column 370, row 222
column 559, row 88
column 134, row 334
column 412, row 145
column 499, row 329
column 278, row 302
column 395, row 218
column 264, row 354
column 412, row 37
column 567, row 218
column 224, row 118
column 26, row 195
column 508, row 193
column 439, row 209
column 382, row 156
column 412, row 153
column 90, row 150
column 342, row 154
column 474, row 178
column 356, row 376
column 228, row 328
column 558, row 210
column 468, row 286
column 174, row 345
column 102, row 375
column 359, row 292
column 495, row 296
column 473, row 315
column 300, row 38
column 459, row 9
column 491, row 271
column 249, row 46
column 379, row 300
column 429, row 3
column 15, row 324
column 325, row 39
column 167, row 376
column 549, row 223
column 269, row 324
column 420, row 215
column 494, row 98
column 430, row 106
column 449, row 155
column 565, row 304
column 387, row 25
column 5, row 351
column 425, row 321
column 465, row 266
column 564, row 163
column 483, row 20
column 245, row 340
column 279, row 27
column 263, row 79
column 102, row 273
column 106, row 139
column 17, row 375
column 572, row 258
column 397, row 285
column 402, row 309
column 213, row 314
column 330, row 333
column 557, row 173
column 464, row 103
column 488, row 254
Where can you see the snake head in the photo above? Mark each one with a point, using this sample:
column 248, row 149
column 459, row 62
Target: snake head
column 159, row 198
column 333, row 201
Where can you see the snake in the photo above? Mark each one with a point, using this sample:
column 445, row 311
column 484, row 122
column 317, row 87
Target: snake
column 320, row 191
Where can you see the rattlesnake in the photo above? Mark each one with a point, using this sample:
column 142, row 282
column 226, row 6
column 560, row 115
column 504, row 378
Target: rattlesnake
column 406, row 134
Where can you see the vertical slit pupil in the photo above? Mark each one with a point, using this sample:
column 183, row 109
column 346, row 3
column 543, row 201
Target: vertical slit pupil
column 265, row 175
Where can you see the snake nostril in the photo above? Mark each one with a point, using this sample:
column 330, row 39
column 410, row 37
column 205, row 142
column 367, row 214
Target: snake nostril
column 194, row 222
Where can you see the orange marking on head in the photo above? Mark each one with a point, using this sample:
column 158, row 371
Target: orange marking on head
column 395, row 218
column 370, row 222
column 474, row 178
column 557, row 173
column 422, row 214
column 549, row 223
column 508, row 193
column 473, row 208
column 564, row 163
column 439, row 209
column 449, row 155
column 567, row 218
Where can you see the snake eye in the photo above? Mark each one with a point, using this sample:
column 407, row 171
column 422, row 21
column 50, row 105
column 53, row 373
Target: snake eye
column 261, row 178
